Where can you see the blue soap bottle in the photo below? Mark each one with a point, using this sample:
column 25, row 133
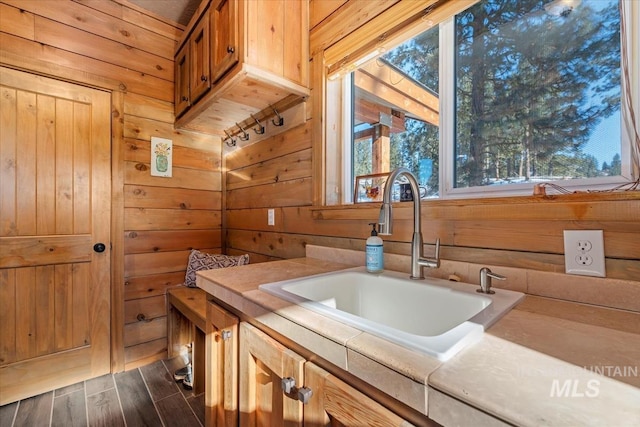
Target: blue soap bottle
column 374, row 252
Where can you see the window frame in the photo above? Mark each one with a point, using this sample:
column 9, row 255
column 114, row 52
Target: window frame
column 447, row 189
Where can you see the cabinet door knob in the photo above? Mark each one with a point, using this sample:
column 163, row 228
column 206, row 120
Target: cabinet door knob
column 99, row 247
column 288, row 384
column 231, row 49
column 203, row 78
column 304, row 394
column 185, row 99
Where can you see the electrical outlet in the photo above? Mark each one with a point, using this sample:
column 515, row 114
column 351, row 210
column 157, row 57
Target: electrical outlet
column 584, row 252
column 271, row 217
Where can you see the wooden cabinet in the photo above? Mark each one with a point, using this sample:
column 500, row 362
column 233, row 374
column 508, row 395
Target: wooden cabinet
column 224, row 50
column 245, row 56
column 275, row 381
column 182, row 76
column 193, row 66
column 264, row 363
column 200, row 51
column 334, row 402
column 221, row 377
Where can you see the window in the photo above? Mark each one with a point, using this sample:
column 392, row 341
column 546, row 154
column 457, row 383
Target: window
column 506, row 94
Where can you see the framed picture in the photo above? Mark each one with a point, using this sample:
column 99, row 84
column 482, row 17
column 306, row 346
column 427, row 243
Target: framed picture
column 369, row 188
column 161, row 157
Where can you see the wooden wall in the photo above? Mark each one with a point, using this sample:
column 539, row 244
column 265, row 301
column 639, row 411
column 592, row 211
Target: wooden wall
column 161, row 218
column 525, row 232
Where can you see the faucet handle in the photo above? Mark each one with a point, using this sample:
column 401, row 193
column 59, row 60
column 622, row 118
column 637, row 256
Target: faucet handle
column 437, row 254
column 485, row 280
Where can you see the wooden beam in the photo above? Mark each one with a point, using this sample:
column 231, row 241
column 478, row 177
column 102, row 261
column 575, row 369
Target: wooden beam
column 369, row 112
column 389, row 94
column 400, row 82
column 381, row 150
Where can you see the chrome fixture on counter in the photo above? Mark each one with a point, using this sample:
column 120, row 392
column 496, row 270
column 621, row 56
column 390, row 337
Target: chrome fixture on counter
column 485, row 280
column 386, row 223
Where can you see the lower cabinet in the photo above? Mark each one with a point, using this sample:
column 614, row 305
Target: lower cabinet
column 221, row 371
column 278, row 387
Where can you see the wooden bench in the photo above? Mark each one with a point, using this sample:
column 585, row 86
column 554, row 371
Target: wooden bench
column 187, row 324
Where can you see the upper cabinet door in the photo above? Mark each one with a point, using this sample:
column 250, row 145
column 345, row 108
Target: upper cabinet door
column 200, row 58
column 225, row 50
column 182, row 101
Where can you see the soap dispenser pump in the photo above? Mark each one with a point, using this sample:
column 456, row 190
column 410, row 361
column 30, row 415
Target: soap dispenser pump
column 374, row 252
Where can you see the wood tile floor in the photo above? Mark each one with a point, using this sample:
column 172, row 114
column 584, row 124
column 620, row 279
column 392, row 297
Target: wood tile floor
column 147, row 396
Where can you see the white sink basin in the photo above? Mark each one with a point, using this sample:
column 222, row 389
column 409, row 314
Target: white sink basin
column 434, row 316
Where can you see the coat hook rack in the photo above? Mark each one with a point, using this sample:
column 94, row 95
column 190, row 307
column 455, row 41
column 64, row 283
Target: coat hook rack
column 260, row 129
column 245, row 136
column 229, row 140
column 280, row 121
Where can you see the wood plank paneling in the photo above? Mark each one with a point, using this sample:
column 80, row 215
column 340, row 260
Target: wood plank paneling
column 349, row 17
column 93, row 21
column 521, row 232
column 132, row 80
column 23, row 251
column 71, row 39
column 8, row 160
column 140, row 151
column 170, row 219
column 17, row 21
column 142, row 332
column 145, row 353
column 142, row 196
column 143, row 128
column 152, row 285
column 286, row 168
column 289, row 193
column 140, row 174
column 145, row 309
column 148, row 107
column 297, row 139
column 320, row 9
column 171, row 240
column 155, row 263
column 132, row 50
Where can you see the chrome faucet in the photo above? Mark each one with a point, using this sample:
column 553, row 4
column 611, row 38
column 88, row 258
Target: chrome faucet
column 386, row 223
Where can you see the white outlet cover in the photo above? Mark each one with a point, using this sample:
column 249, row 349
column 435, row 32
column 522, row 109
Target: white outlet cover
column 584, row 252
column 271, row 217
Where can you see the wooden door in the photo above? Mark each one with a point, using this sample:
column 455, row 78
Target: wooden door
column 221, row 382
column 55, row 191
column 200, row 52
column 336, row 403
column 182, row 76
column 264, row 362
column 224, row 24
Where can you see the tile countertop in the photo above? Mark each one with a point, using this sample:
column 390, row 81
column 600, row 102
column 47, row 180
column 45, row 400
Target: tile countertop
column 526, row 370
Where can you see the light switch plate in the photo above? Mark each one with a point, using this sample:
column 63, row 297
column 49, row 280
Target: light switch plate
column 271, row 217
column 584, row 252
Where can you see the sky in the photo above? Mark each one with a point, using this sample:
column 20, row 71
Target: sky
column 605, row 140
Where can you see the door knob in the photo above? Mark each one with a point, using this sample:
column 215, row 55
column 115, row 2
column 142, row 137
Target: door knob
column 99, row 247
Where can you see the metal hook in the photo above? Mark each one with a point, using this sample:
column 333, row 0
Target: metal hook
column 245, row 135
column 260, row 129
column 280, row 121
column 229, row 140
